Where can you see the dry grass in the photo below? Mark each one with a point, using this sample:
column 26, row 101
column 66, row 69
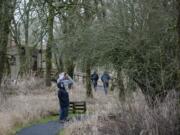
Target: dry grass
column 100, row 105
column 30, row 101
column 132, row 117
column 24, row 85
column 105, row 115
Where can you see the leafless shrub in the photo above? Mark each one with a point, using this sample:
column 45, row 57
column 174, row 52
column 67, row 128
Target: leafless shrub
column 30, row 102
column 23, row 85
column 131, row 117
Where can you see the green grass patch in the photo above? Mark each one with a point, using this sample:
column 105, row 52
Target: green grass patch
column 61, row 132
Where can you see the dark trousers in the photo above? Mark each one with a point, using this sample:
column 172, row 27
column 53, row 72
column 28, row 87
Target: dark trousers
column 94, row 84
column 106, row 85
column 64, row 113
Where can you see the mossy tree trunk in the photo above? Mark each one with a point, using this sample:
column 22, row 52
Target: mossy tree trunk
column 49, row 43
column 6, row 13
column 70, row 67
column 178, row 49
column 22, row 60
column 89, row 92
column 21, row 50
column 120, row 85
column 27, row 7
column 59, row 63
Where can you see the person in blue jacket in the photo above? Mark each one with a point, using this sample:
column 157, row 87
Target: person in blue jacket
column 94, row 79
column 105, row 79
column 63, row 101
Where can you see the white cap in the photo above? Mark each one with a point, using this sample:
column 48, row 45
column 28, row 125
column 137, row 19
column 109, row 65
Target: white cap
column 61, row 77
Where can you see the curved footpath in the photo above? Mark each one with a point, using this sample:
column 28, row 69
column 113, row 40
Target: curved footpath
column 50, row 128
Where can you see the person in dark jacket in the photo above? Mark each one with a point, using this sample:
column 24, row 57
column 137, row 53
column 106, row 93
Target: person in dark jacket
column 94, row 79
column 105, row 79
column 63, row 101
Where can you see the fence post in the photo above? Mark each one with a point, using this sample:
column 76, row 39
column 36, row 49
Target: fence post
column 74, row 108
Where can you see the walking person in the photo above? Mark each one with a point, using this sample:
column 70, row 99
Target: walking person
column 94, row 79
column 105, row 79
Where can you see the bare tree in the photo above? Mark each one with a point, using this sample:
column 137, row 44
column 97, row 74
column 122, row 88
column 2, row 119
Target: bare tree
column 6, row 13
column 178, row 47
column 49, row 42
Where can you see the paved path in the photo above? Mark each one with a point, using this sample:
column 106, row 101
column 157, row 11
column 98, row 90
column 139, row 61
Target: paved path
column 50, row 128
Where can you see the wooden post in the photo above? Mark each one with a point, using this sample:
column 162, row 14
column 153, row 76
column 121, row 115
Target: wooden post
column 74, row 108
column 85, row 107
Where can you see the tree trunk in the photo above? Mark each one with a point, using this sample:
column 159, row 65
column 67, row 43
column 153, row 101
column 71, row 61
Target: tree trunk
column 26, row 32
column 59, row 63
column 22, row 60
column 70, row 68
column 178, row 49
column 21, row 51
column 5, row 21
column 88, row 81
column 27, row 7
column 120, row 85
column 49, row 44
column 27, row 52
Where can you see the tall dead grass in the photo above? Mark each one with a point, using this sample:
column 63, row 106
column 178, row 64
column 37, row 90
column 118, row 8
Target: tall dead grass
column 23, row 85
column 131, row 117
column 30, row 100
column 105, row 114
